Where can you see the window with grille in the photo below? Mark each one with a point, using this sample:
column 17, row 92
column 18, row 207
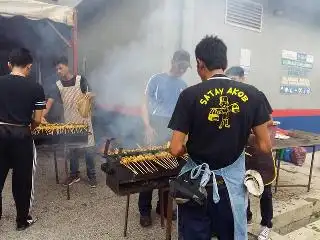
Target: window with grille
column 245, row 14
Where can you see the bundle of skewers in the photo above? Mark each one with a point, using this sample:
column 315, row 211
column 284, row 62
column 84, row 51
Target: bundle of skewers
column 150, row 163
column 140, row 150
column 59, row 128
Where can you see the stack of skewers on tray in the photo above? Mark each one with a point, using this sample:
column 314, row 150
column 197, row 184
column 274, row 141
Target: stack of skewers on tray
column 150, row 163
column 61, row 133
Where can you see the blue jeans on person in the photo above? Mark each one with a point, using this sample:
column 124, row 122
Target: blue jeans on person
column 89, row 156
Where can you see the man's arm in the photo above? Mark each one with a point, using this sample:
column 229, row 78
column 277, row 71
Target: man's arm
column 260, row 125
column 86, row 88
column 180, row 123
column 149, row 99
column 39, row 106
column 177, row 146
column 49, row 104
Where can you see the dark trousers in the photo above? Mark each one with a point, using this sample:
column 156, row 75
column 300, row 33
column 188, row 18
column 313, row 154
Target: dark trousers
column 266, row 207
column 145, row 206
column 89, row 157
column 16, row 152
column 202, row 222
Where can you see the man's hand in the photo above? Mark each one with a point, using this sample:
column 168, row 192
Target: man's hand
column 149, row 134
column 90, row 95
column 43, row 120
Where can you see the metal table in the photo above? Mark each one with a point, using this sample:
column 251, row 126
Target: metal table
column 60, row 147
column 298, row 139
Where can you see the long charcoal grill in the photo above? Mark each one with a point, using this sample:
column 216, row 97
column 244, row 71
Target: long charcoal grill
column 60, row 139
column 123, row 181
column 60, row 142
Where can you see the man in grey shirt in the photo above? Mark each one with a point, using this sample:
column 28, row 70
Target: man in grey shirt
column 161, row 95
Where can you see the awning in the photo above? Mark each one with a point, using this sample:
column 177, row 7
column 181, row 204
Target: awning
column 37, row 9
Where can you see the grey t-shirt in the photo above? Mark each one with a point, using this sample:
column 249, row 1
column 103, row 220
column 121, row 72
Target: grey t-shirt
column 163, row 92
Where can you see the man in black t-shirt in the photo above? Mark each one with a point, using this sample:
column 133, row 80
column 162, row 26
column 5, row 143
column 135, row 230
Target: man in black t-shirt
column 261, row 162
column 218, row 115
column 67, row 92
column 21, row 104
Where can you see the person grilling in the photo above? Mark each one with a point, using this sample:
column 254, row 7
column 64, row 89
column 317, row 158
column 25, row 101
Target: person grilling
column 21, row 105
column 217, row 115
column 67, row 91
column 263, row 163
column 161, row 96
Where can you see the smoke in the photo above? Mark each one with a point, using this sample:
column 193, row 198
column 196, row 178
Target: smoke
column 121, row 77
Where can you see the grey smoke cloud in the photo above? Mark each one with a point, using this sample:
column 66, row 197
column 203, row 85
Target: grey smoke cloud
column 121, row 78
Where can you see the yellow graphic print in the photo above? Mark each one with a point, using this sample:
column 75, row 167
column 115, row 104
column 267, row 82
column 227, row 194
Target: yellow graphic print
column 222, row 114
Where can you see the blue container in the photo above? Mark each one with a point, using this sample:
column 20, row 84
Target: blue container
column 287, row 155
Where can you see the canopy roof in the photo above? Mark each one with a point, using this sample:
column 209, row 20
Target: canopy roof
column 58, row 11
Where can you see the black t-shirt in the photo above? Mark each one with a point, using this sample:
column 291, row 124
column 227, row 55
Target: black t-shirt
column 19, row 97
column 55, row 92
column 218, row 115
column 267, row 104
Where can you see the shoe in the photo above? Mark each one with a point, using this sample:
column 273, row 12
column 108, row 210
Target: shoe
column 264, row 234
column 92, row 182
column 174, row 214
column 145, row 221
column 29, row 223
column 71, row 180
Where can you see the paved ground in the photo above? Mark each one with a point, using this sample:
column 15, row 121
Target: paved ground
column 99, row 213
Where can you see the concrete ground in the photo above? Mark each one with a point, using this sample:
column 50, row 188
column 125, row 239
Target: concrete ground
column 99, row 213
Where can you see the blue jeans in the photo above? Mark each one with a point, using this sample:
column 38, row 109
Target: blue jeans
column 89, row 156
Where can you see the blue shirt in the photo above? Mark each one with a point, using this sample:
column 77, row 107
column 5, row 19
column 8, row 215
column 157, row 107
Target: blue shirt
column 162, row 93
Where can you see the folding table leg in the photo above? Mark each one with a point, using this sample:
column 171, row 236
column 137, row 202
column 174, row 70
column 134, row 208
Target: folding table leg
column 55, row 165
column 65, row 155
column 278, row 169
column 311, row 167
column 126, row 216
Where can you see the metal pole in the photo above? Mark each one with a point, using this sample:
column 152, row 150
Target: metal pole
column 126, row 216
column 311, row 167
column 278, row 169
column 75, row 42
column 169, row 217
column 56, row 165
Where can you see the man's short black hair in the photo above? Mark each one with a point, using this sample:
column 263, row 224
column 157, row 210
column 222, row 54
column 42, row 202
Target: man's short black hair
column 181, row 56
column 62, row 60
column 20, row 57
column 235, row 71
column 213, row 52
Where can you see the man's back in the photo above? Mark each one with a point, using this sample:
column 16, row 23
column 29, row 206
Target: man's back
column 18, row 98
column 221, row 113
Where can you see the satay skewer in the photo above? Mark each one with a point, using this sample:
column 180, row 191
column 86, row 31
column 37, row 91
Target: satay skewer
column 152, row 166
column 131, row 168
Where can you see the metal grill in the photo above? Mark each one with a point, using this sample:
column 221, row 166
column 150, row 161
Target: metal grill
column 245, row 14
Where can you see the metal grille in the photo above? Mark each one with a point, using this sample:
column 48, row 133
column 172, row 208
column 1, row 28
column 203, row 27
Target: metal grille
column 245, row 14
